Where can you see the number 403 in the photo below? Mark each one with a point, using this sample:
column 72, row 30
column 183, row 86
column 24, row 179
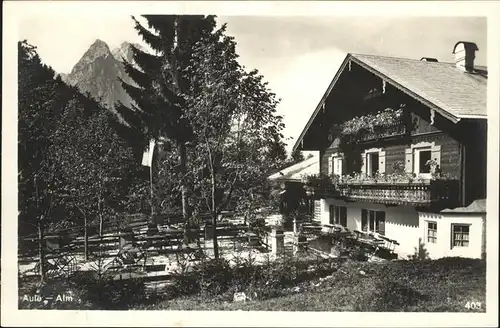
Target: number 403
column 473, row 305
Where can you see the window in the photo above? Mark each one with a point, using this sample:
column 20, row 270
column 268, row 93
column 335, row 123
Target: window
column 373, row 221
column 338, row 215
column 335, row 164
column 460, row 237
column 431, row 232
column 419, row 156
column 372, row 93
column 372, row 163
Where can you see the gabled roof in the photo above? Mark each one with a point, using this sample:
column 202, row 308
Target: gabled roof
column 297, row 171
column 442, row 86
column 461, row 94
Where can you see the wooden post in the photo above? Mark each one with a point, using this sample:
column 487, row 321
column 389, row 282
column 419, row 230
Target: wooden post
column 152, row 193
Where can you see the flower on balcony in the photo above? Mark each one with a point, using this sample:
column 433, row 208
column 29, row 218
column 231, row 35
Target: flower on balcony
column 371, row 122
column 316, row 182
column 388, row 178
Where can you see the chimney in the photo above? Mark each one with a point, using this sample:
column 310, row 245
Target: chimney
column 428, row 59
column 465, row 52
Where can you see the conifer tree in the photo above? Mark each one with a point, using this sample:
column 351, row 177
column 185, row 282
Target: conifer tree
column 161, row 84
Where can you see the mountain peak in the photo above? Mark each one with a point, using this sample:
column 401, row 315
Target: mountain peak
column 125, row 51
column 99, row 46
column 98, row 49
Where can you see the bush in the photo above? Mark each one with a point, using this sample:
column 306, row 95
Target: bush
column 105, row 293
column 390, row 295
column 84, row 290
column 358, row 253
column 215, row 276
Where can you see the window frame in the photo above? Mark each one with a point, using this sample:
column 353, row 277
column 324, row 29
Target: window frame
column 412, row 158
column 367, row 161
column 333, row 160
column 416, row 161
column 372, row 219
column 339, row 215
column 462, row 240
column 428, row 229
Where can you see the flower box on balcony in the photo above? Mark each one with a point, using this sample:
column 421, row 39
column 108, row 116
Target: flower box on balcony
column 382, row 132
column 383, row 124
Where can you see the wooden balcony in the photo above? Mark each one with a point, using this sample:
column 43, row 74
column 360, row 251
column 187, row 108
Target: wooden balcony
column 442, row 192
column 398, row 129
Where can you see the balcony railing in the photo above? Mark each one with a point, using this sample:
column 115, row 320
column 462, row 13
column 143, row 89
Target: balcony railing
column 416, row 194
column 394, row 189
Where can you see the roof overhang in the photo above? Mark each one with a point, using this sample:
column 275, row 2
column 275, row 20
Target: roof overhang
column 321, row 103
column 347, row 61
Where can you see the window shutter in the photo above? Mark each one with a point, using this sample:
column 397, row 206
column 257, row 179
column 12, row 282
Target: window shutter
column 409, row 160
column 381, row 222
column 343, row 166
column 381, row 162
column 330, row 165
column 317, row 210
column 363, row 163
column 436, row 154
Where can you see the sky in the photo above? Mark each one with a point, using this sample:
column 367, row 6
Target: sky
column 298, row 55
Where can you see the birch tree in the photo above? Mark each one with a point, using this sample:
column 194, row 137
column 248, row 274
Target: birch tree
column 233, row 114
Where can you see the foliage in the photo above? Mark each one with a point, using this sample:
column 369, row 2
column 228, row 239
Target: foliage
column 296, row 157
column 218, row 279
column 371, row 122
column 99, row 166
column 443, row 285
column 158, row 112
column 72, row 164
column 39, row 106
column 320, row 181
column 236, row 127
column 391, row 295
column 398, row 167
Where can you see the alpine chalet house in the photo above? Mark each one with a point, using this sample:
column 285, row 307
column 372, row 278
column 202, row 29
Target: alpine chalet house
column 402, row 145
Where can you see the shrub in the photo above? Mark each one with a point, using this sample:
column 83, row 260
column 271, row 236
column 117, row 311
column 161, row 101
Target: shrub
column 390, row 295
column 214, row 276
column 358, row 253
column 103, row 292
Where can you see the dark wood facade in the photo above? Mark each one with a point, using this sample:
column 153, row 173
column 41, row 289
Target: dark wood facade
column 462, row 145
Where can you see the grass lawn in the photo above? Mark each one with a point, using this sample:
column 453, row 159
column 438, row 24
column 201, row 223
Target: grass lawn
column 444, row 285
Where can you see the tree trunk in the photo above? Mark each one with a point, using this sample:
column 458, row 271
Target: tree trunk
column 186, row 212
column 86, row 240
column 153, row 217
column 214, row 219
column 100, row 215
column 41, row 249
